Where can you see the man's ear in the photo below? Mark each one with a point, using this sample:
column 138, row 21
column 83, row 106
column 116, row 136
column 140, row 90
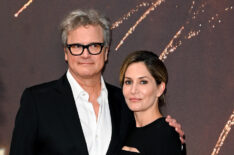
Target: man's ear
column 65, row 53
column 106, row 53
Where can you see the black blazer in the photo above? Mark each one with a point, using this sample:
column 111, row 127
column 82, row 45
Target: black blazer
column 47, row 122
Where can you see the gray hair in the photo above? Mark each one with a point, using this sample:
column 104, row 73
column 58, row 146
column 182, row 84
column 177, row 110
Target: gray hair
column 79, row 17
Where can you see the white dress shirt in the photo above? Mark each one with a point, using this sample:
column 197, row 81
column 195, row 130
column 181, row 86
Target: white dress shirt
column 97, row 132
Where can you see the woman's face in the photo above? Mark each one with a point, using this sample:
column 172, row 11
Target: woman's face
column 140, row 89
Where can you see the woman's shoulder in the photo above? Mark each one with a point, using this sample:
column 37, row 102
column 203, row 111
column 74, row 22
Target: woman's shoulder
column 168, row 140
column 164, row 129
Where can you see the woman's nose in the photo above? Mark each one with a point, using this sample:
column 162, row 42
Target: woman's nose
column 134, row 88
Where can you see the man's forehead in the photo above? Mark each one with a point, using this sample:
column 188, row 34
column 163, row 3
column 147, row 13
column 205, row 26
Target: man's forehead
column 86, row 34
column 87, row 27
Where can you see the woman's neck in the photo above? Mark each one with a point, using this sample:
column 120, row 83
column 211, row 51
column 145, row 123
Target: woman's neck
column 147, row 117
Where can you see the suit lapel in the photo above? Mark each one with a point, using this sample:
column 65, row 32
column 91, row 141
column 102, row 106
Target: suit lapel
column 70, row 117
column 115, row 110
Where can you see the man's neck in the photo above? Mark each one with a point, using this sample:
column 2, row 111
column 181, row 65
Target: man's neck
column 89, row 84
column 92, row 85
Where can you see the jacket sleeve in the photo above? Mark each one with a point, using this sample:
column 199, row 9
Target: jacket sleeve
column 171, row 142
column 25, row 130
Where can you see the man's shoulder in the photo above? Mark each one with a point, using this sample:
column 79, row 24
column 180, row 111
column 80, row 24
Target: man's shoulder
column 114, row 91
column 111, row 87
column 45, row 87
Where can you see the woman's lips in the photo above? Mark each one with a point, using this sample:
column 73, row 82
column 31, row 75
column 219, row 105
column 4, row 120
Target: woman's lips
column 134, row 99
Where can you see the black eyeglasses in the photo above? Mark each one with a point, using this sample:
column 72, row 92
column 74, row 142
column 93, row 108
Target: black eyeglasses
column 78, row 49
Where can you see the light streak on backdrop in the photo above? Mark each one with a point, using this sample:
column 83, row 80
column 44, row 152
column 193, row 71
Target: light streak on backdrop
column 193, row 31
column 127, row 15
column 147, row 12
column 171, row 47
column 173, row 44
column 23, row 8
column 223, row 134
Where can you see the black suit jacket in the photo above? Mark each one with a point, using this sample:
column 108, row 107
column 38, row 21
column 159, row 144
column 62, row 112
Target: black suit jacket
column 47, row 122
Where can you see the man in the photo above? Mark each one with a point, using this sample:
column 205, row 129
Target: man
column 78, row 114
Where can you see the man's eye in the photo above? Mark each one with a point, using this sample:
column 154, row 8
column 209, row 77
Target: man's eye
column 76, row 46
column 94, row 46
column 127, row 82
column 144, row 82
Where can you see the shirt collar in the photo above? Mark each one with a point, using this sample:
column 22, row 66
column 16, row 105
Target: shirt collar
column 77, row 89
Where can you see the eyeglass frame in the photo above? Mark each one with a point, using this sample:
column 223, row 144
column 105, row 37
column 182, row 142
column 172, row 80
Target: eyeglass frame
column 85, row 47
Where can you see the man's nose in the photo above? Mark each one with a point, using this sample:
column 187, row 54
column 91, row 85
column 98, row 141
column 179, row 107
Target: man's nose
column 85, row 53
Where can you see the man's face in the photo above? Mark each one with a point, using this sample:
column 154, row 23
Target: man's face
column 86, row 65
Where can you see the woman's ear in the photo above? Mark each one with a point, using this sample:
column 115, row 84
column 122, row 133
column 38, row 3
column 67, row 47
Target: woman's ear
column 161, row 88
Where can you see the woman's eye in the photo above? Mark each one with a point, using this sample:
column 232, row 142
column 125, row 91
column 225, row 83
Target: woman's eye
column 144, row 82
column 127, row 82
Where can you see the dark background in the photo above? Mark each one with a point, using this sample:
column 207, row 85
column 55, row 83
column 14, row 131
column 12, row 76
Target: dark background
column 201, row 83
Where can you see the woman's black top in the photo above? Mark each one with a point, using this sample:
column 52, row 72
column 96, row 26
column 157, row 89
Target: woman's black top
column 156, row 138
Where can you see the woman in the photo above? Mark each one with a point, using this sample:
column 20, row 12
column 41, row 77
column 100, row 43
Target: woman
column 144, row 78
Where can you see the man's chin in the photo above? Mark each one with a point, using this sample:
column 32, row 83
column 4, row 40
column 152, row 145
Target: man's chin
column 88, row 74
